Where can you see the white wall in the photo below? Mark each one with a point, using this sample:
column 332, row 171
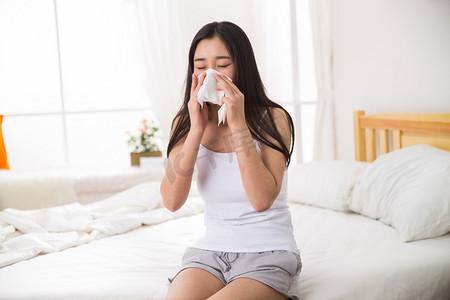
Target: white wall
column 390, row 56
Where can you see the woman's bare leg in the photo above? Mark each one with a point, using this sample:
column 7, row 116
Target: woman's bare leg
column 193, row 284
column 248, row 289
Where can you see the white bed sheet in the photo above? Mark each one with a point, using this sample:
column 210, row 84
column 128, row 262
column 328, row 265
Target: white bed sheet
column 345, row 256
column 349, row 256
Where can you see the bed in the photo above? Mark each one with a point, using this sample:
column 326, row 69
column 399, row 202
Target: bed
column 374, row 228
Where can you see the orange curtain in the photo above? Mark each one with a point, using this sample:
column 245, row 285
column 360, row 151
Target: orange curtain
column 3, row 157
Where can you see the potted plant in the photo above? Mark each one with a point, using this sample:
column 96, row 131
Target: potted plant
column 145, row 142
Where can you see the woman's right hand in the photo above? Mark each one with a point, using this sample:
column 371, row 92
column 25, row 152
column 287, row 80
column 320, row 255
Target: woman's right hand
column 197, row 114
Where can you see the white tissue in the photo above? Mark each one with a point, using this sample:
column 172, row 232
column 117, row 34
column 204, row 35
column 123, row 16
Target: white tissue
column 208, row 93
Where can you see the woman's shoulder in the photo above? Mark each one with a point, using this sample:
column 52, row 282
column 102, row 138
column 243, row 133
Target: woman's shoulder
column 280, row 119
column 278, row 114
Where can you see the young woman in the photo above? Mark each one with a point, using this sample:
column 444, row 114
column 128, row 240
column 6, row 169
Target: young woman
column 248, row 250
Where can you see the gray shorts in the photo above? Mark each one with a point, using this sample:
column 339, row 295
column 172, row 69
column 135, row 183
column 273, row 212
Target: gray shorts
column 277, row 269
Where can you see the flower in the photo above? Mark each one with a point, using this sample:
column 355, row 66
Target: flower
column 146, row 140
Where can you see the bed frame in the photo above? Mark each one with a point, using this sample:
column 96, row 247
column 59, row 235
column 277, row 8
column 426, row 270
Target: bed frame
column 396, row 131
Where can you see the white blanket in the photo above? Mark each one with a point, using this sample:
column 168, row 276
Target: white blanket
column 27, row 233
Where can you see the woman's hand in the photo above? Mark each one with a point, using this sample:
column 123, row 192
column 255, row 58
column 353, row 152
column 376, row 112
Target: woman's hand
column 197, row 114
column 234, row 101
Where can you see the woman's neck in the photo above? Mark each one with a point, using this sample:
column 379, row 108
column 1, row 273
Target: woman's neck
column 213, row 114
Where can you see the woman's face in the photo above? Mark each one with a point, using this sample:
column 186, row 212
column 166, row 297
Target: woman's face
column 213, row 54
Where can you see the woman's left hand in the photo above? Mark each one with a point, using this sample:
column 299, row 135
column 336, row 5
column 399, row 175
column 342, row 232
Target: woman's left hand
column 234, row 102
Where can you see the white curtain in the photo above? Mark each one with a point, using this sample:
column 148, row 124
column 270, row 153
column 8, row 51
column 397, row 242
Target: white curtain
column 322, row 27
column 154, row 33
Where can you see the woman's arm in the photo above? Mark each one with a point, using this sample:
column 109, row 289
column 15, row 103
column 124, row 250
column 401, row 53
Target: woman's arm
column 176, row 183
column 262, row 174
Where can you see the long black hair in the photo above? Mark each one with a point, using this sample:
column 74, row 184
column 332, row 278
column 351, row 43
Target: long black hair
column 248, row 81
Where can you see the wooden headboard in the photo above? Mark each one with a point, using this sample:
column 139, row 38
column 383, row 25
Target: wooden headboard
column 381, row 133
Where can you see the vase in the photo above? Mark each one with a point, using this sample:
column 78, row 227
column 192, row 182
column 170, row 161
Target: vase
column 136, row 156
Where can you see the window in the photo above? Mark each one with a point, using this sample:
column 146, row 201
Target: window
column 70, row 89
column 290, row 76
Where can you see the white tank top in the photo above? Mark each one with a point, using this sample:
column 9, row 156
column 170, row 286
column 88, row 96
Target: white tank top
column 232, row 225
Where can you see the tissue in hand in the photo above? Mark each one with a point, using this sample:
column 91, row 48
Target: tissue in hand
column 209, row 93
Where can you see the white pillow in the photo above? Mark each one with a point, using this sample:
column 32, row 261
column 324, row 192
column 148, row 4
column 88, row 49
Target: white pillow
column 408, row 189
column 326, row 184
column 36, row 189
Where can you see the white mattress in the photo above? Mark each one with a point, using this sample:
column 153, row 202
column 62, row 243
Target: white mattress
column 345, row 256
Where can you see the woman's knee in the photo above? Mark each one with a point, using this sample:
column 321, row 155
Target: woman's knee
column 193, row 284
